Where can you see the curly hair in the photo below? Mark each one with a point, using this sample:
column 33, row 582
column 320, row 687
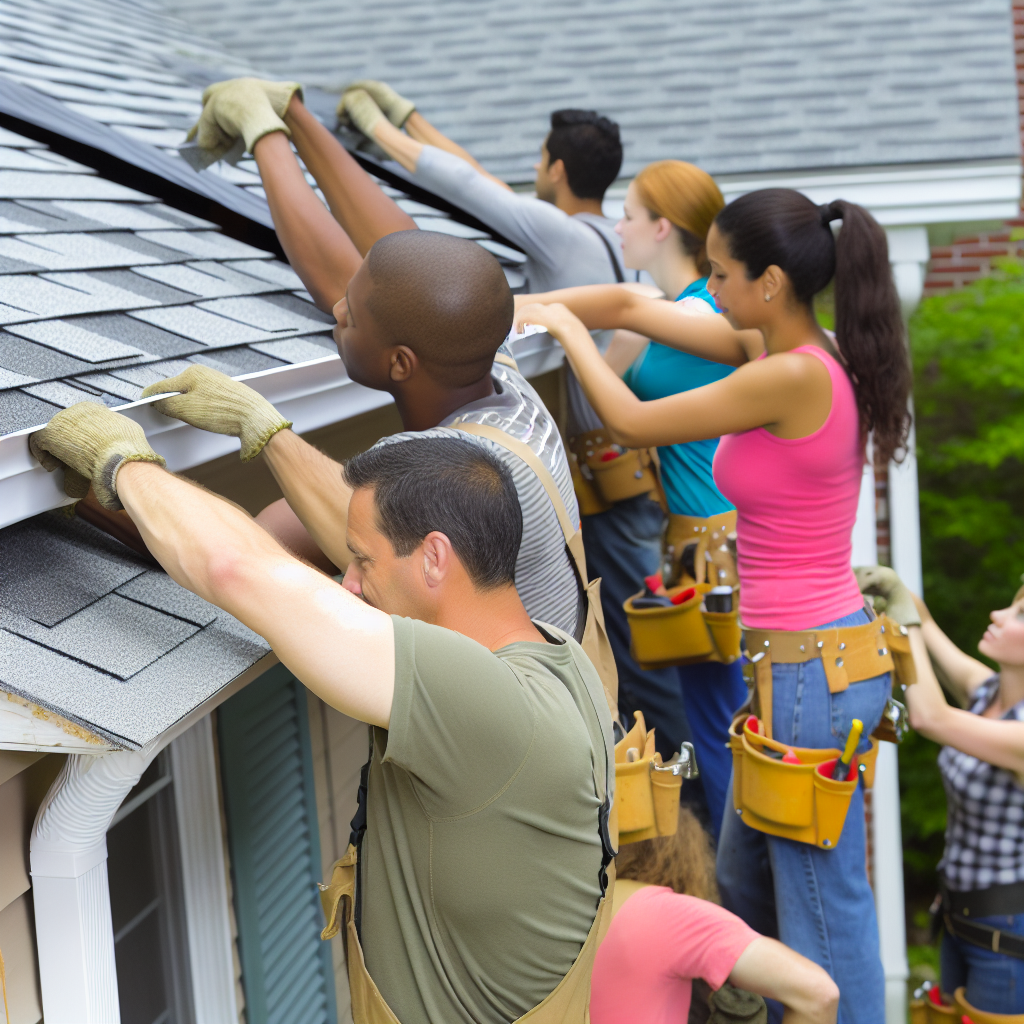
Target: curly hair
column 684, row 862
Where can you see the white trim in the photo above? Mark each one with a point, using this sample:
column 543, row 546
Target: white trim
column 311, row 394
column 887, row 845
column 26, row 726
column 208, row 922
column 898, row 195
column 68, row 855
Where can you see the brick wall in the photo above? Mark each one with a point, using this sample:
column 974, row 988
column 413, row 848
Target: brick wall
column 970, row 258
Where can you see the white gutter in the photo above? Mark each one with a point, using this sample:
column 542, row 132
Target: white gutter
column 311, row 394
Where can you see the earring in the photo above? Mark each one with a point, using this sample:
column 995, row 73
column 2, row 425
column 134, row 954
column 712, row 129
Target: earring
column 767, row 297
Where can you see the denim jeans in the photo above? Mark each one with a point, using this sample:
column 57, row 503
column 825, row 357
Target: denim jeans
column 818, row 902
column 711, row 694
column 994, row 981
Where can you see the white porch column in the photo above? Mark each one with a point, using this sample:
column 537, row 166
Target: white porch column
column 68, row 852
column 908, row 254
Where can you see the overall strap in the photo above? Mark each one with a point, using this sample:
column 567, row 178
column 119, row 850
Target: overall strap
column 573, row 537
column 619, row 275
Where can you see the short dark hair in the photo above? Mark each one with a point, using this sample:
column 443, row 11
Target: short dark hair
column 450, row 485
column 445, row 298
column 589, row 146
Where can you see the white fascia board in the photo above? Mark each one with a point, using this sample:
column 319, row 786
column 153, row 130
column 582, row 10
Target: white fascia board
column 915, row 194
column 26, row 726
column 312, row 395
column 901, row 195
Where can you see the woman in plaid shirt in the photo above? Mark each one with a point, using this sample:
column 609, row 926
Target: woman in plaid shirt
column 982, row 764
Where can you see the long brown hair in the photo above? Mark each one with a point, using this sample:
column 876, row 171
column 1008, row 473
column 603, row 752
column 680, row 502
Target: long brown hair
column 782, row 227
column 686, row 197
column 684, row 862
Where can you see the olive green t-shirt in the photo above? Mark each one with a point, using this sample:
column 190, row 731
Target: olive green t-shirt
column 480, row 863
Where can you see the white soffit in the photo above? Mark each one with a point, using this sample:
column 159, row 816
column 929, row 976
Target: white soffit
column 311, row 394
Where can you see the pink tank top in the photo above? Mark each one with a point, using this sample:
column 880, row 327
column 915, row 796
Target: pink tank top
column 796, row 503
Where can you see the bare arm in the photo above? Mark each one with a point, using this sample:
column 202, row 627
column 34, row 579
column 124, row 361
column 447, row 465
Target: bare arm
column 422, row 131
column 988, row 739
column 316, row 245
column 610, row 306
column 355, row 199
column 315, row 491
column 960, row 673
column 782, row 393
column 773, row 970
column 216, row 550
column 624, row 350
column 281, row 522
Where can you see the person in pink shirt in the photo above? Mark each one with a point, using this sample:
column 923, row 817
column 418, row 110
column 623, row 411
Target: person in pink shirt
column 794, row 419
column 666, row 933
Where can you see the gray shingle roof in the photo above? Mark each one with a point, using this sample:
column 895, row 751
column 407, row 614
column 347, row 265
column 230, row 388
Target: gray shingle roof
column 104, row 289
column 736, row 86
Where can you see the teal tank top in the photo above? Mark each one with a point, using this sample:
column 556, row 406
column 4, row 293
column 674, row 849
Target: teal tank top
column 661, row 371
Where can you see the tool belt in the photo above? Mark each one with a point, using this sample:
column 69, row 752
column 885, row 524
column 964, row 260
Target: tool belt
column 647, row 791
column 568, row 1002
column 604, row 473
column 802, row 801
column 698, row 553
column 925, row 1011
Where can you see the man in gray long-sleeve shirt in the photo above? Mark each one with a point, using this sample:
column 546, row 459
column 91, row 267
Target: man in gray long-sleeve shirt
column 567, row 241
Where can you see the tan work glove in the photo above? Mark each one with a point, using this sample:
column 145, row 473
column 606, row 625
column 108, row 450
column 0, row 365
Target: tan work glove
column 246, row 108
column 396, row 108
column 91, row 443
column 889, row 592
column 358, row 110
column 213, row 401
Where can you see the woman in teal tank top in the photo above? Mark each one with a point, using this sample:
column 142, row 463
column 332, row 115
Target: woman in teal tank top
column 668, row 209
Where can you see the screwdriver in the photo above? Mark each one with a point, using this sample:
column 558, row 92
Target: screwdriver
column 842, row 766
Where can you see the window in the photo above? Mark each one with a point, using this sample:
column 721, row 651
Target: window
column 144, row 870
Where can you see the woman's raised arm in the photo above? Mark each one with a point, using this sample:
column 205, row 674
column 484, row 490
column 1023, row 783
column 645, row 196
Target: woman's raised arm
column 611, row 306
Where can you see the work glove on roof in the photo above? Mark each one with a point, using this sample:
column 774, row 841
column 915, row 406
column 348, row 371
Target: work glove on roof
column 358, row 110
column 246, row 108
column 890, row 593
column 395, row 108
column 91, row 443
column 213, row 401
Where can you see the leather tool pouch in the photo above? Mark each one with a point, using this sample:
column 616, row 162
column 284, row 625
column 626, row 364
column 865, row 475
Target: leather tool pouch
column 802, row 801
column 608, row 473
column 647, row 791
column 795, row 801
column 698, row 550
column 683, row 634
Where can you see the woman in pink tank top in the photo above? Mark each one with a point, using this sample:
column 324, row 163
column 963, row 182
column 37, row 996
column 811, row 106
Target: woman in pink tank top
column 794, row 419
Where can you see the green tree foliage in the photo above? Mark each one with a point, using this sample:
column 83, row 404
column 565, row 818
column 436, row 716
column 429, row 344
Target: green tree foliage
column 968, row 352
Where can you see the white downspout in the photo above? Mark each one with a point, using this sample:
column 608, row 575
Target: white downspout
column 68, row 853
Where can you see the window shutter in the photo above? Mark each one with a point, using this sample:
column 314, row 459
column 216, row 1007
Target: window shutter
column 270, row 803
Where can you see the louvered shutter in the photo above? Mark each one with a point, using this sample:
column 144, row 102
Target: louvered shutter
column 270, row 803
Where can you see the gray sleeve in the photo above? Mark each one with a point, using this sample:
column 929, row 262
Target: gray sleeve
column 540, row 229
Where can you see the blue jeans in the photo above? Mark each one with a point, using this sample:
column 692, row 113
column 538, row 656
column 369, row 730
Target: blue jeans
column 623, row 545
column 818, row 902
column 711, row 694
column 994, row 981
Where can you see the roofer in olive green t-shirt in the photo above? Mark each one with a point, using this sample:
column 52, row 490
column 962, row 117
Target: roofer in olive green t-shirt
column 481, row 869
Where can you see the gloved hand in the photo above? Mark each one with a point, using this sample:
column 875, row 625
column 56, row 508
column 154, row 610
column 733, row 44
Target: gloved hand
column 91, row 442
column 396, row 108
column 213, row 401
column 358, row 110
column 241, row 107
column 890, row 593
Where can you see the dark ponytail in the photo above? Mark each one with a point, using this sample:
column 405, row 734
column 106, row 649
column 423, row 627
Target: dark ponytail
column 782, row 227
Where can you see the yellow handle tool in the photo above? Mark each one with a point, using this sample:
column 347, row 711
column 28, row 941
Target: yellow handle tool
column 842, row 767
